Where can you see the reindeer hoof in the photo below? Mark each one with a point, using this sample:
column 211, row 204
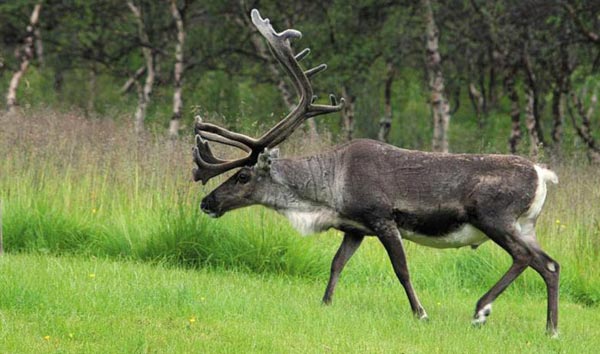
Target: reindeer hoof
column 553, row 333
column 481, row 316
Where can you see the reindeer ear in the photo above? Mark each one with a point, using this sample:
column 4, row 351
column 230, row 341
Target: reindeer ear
column 265, row 158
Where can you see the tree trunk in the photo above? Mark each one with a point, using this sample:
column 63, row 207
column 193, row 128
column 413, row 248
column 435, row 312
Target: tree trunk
column 561, row 88
column 584, row 130
column 131, row 81
column 385, row 125
column 39, row 46
column 145, row 91
column 140, row 111
column 558, row 114
column 178, row 73
column 589, row 34
column 25, row 54
column 478, row 102
column 515, row 111
column 348, row 113
column 532, row 92
column 91, row 102
column 492, row 92
column 534, row 140
column 438, row 100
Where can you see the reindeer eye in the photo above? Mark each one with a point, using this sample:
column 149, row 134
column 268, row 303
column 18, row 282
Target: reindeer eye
column 243, row 178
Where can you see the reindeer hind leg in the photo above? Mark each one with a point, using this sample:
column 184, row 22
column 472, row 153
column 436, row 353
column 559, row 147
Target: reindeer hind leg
column 510, row 239
column 548, row 269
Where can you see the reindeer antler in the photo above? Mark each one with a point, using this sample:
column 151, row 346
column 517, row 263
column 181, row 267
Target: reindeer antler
column 210, row 166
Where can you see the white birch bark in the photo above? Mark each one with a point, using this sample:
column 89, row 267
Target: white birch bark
column 178, row 72
column 439, row 102
column 131, row 81
column 530, row 121
column 25, row 54
column 146, row 90
column 348, row 114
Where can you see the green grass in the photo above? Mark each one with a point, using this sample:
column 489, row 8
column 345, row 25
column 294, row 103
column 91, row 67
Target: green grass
column 77, row 305
column 82, row 189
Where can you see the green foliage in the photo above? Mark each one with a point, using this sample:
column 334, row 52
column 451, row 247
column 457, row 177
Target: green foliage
column 95, row 189
column 77, row 305
column 77, row 193
column 225, row 79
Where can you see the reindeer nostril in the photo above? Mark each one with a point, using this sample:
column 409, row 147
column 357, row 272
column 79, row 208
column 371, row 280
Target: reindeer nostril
column 208, row 203
column 205, row 204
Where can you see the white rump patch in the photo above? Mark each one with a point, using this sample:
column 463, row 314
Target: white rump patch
column 527, row 220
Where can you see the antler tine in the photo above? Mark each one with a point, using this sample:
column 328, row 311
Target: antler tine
column 220, row 139
column 229, row 135
column 279, row 43
column 281, row 49
column 210, row 166
column 317, row 69
column 303, row 54
column 217, row 134
column 207, row 170
column 318, row 109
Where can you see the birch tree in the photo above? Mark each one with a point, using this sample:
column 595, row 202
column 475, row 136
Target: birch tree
column 144, row 91
column 584, row 128
column 515, row 109
column 25, row 54
column 348, row 113
column 439, row 103
column 385, row 125
column 178, row 71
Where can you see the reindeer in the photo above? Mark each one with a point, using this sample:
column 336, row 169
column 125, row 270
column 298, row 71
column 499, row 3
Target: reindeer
column 368, row 188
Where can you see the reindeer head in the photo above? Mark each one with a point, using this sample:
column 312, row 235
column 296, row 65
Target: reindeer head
column 248, row 186
column 253, row 183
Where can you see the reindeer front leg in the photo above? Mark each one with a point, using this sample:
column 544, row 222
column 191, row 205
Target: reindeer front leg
column 349, row 245
column 390, row 237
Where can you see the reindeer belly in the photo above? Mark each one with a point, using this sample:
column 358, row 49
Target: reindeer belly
column 466, row 235
column 440, row 227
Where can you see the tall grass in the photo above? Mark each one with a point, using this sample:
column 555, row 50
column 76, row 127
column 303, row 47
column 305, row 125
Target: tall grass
column 90, row 187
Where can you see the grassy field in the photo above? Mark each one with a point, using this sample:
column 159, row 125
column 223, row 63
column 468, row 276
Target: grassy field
column 76, row 305
column 108, row 252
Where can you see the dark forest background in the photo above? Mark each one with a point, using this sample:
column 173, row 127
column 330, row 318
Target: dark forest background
column 517, row 76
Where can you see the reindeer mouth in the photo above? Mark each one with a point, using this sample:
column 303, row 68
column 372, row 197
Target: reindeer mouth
column 213, row 214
